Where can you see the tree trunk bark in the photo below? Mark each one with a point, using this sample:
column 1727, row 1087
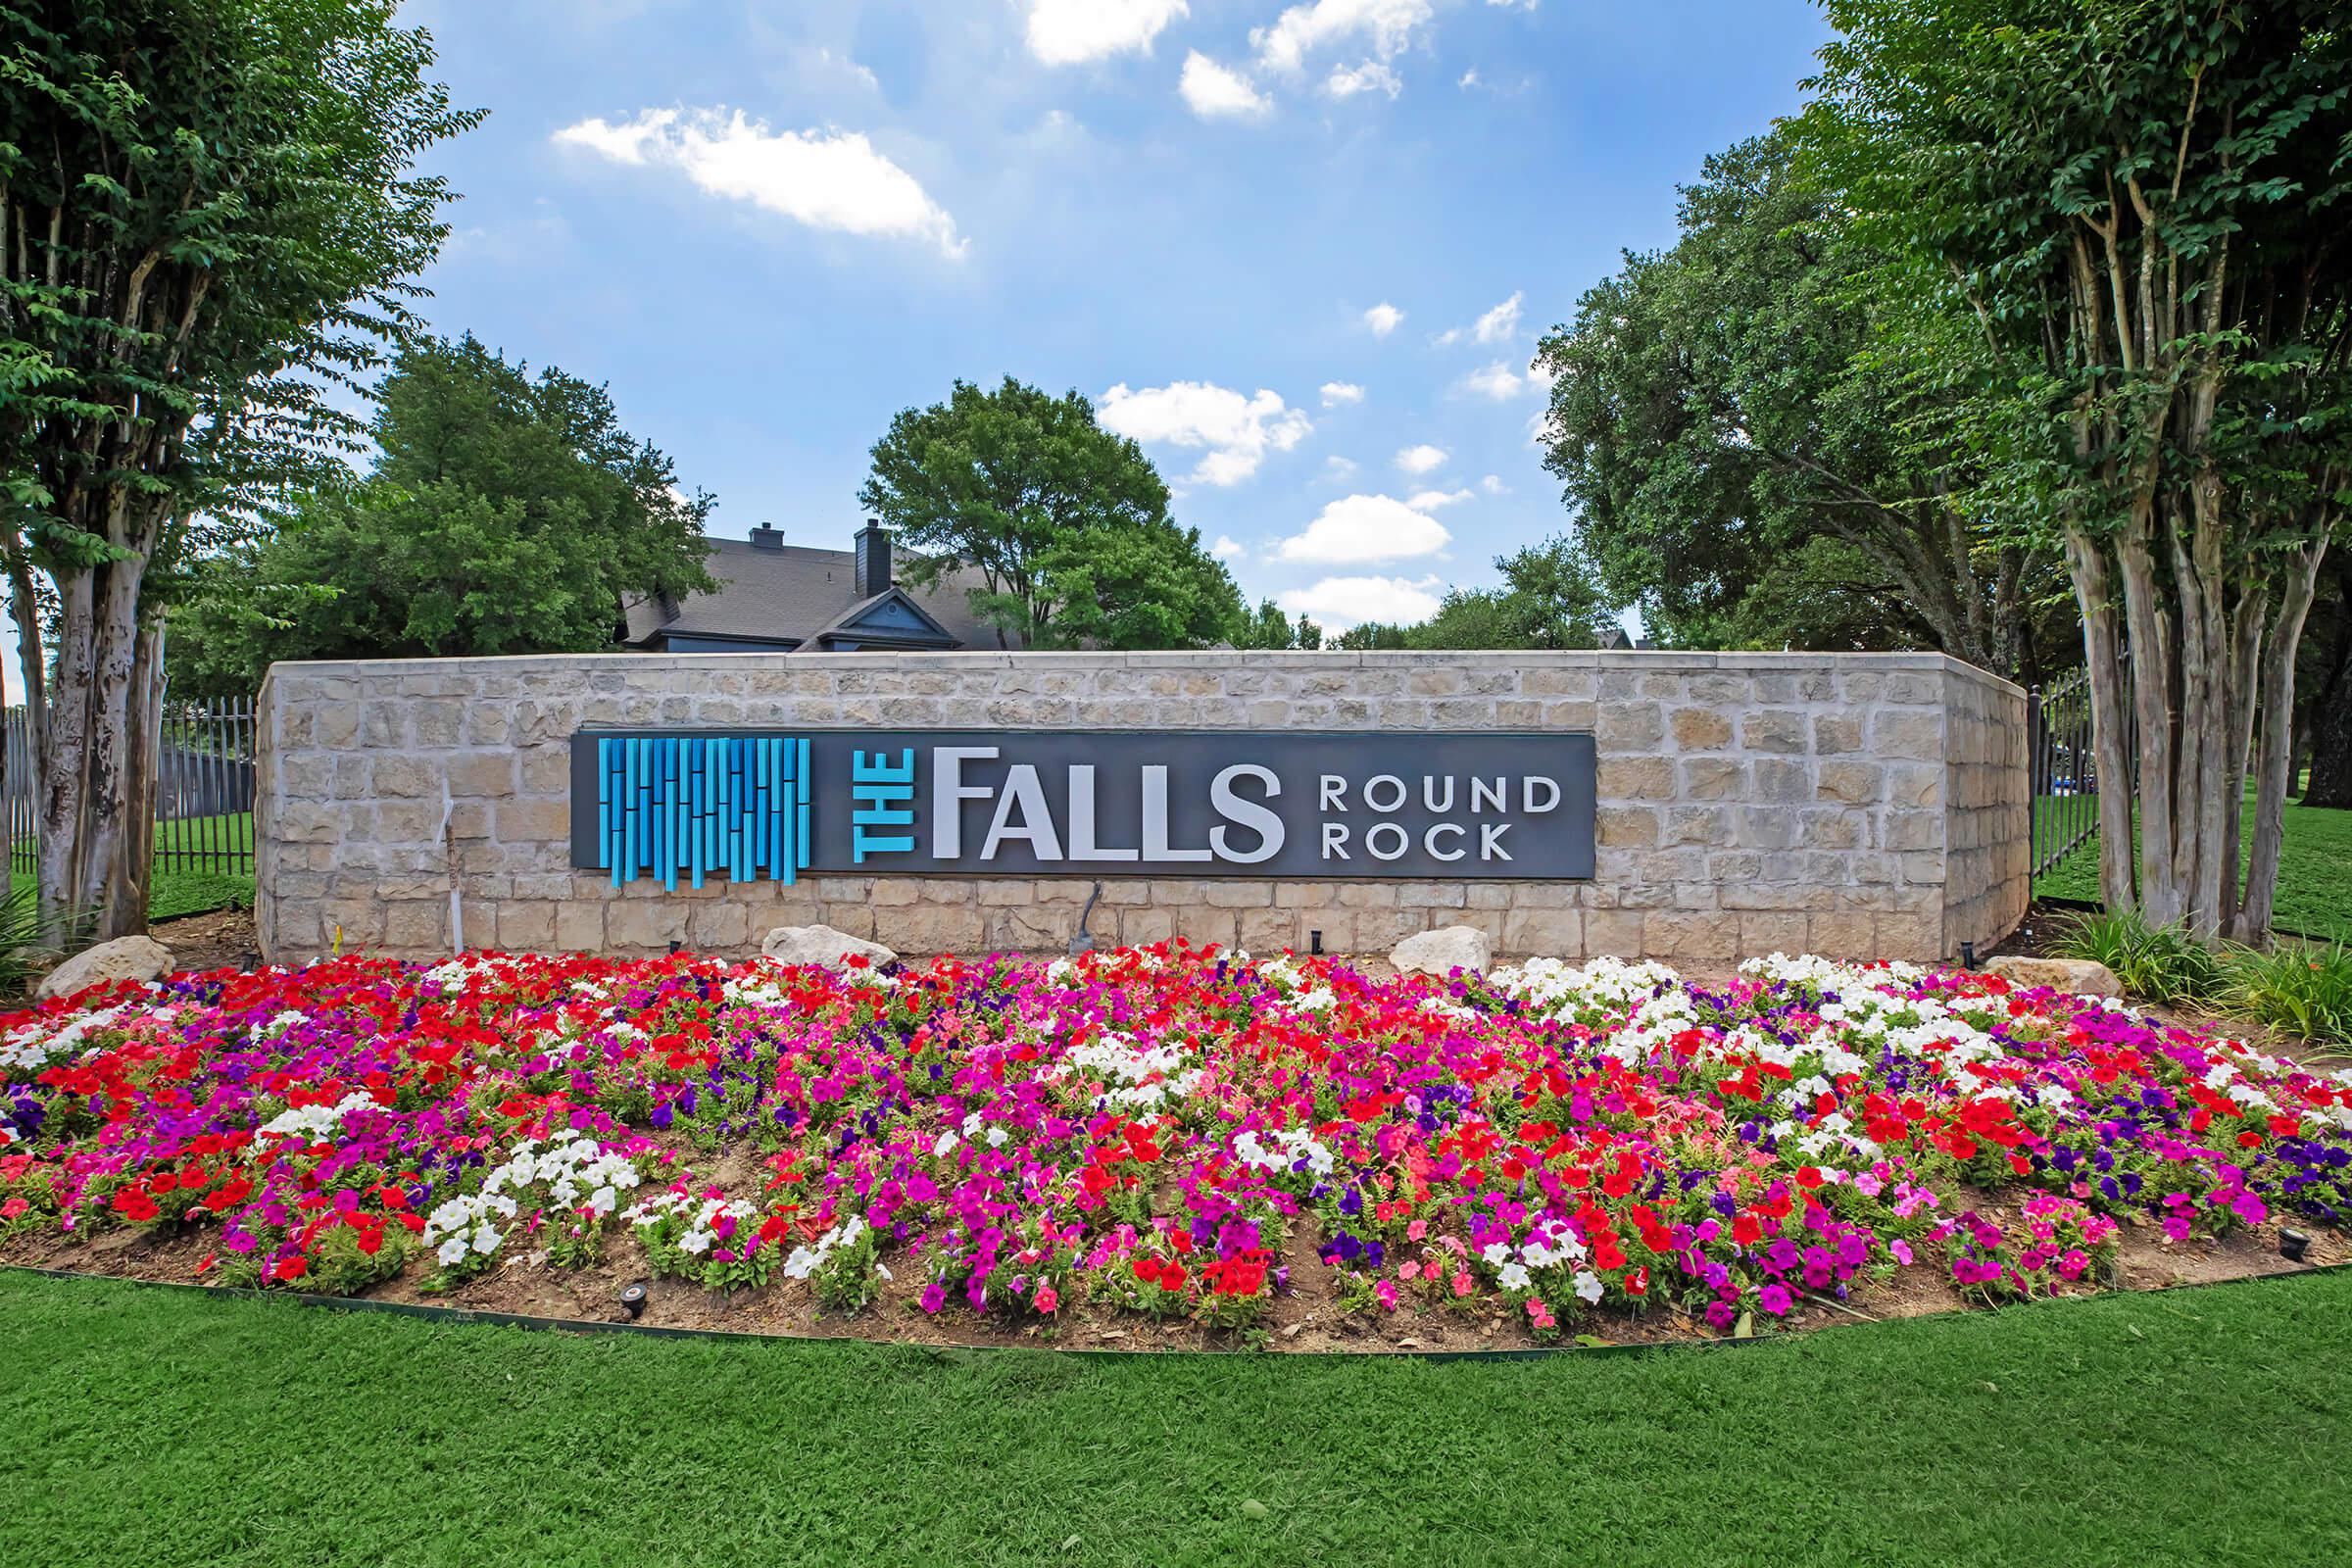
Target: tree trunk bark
column 133, row 876
column 2110, row 725
column 65, row 758
column 112, row 764
column 2252, row 921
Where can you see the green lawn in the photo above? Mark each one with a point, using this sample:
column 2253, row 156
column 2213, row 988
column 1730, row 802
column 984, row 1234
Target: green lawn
column 2207, row 1426
column 186, row 890
column 2315, row 871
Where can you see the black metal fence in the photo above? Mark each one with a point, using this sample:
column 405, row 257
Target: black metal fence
column 203, row 787
column 2065, row 764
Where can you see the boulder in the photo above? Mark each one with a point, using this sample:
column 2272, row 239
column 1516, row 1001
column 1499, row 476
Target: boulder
column 139, row 957
column 821, row 944
column 2081, row 977
column 1443, row 950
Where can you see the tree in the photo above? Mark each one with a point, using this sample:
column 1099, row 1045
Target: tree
column 208, row 222
column 1270, row 629
column 1550, row 597
column 1067, row 523
column 507, row 514
column 1719, row 418
column 2141, row 204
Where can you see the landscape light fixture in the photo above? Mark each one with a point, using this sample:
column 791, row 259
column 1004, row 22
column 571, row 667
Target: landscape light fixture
column 1314, row 943
column 632, row 1301
column 1968, row 955
column 675, row 945
column 2292, row 1243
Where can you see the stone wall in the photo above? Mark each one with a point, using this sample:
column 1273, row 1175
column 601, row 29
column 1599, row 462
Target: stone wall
column 1989, row 871
column 1860, row 804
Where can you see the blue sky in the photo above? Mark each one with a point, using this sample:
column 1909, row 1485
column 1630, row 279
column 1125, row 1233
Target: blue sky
column 1301, row 251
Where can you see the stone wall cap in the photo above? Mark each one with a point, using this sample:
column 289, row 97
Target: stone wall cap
column 1645, row 661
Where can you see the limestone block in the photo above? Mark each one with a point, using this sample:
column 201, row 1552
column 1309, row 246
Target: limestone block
column 1702, row 729
column 526, row 927
column 132, row 957
column 1443, row 950
column 580, row 926
column 1544, row 933
column 1636, row 778
column 1773, row 729
column 1269, row 931
column 642, row 923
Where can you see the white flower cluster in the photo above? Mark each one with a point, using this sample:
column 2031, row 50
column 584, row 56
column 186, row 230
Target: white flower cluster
column 701, row 1215
column 1550, row 1244
column 807, row 1261
column 319, row 1121
column 750, row 992
column 452, row 974
column 1289, row 1145
column 973, row 1125
column 1828, row 974
column 1120, row 1057
column 1297, row 989
column 34, row 1046
column 1556, row 985
column 577, row 1173
column 468, row 1224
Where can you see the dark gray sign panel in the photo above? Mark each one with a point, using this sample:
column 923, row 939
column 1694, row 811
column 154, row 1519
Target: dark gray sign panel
column 744, row 803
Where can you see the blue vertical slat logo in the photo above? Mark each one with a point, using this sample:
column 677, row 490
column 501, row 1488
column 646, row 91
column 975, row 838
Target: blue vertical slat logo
column 667, row 804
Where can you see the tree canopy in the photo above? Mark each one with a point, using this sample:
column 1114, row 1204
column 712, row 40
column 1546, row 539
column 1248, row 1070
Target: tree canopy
column 1067, row 522
column 209, row 226
column 1550, row 597
column 507, row 514
column 2140, row 204
column 1720, row 420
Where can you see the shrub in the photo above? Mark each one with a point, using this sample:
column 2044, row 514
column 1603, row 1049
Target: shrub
column 2302, row 988
column 2162, row 963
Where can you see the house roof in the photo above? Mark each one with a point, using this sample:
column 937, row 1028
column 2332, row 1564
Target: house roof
column 796, row 593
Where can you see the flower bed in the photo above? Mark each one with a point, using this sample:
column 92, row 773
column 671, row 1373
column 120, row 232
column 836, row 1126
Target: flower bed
column 1187, row 1136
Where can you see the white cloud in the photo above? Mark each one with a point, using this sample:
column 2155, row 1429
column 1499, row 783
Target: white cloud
column 1218, row 92
column 1498, row 382
column 1343, row 602
column 1336, row 393
column 1469, row 80
column 1069, row 32
column 1433, row 500
column 1502, row 324
column 1422, row 459
column 1387, row 24
column 1336, row 466
column 824, row 179
column 1238, row 431
column 1357, row 530
column 1382, row 318
column 1493, row 485
column 827, row 60
column 1369, row 76
column 1226, row 549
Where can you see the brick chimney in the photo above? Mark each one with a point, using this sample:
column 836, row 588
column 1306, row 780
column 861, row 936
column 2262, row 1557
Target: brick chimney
column 874, row 560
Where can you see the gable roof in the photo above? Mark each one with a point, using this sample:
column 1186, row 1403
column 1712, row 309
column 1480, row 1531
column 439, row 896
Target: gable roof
column 796, row 593
column 889, row 617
